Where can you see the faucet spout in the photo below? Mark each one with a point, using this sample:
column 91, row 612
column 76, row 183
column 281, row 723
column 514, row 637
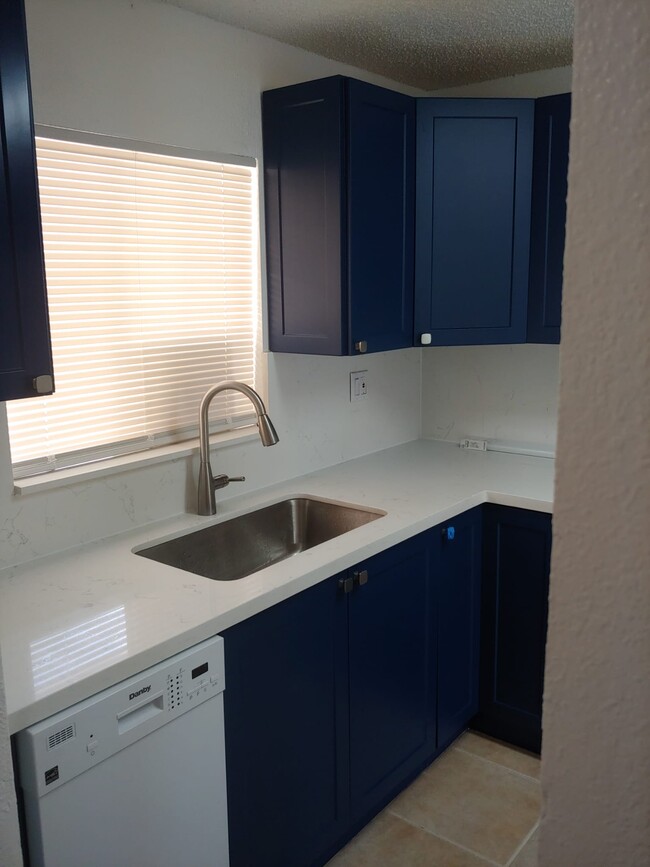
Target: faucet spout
column 207, row 483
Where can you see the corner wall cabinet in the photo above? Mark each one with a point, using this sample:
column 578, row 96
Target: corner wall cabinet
column 514, row 616
column 339, row 176
column 25, row 353
column 548, row 217
column 474, row 168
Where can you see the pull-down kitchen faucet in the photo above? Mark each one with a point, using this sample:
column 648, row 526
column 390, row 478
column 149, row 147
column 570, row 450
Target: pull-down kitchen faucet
column 207, row 482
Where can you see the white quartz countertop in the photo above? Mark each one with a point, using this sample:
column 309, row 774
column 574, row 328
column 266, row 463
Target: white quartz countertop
column 74, row 623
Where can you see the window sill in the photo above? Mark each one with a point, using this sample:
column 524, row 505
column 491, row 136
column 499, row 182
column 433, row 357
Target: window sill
column 124, row 463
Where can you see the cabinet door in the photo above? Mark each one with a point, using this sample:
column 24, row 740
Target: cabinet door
column 303, row 129
column 550, row 169
column 514, row 612
column 381, row 211
column 285, row 703
column 473, row 220
column 25, row 353
column 391, row 670
column 458, row 587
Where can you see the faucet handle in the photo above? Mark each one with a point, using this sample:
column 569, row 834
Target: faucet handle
column 222, row 480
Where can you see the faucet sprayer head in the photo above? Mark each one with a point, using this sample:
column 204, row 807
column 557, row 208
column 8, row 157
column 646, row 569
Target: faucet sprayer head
column 268, row 433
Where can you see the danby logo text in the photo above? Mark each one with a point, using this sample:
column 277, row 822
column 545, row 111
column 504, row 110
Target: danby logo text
column 139, row 692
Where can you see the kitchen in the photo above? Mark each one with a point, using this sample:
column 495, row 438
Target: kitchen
column 305, row 395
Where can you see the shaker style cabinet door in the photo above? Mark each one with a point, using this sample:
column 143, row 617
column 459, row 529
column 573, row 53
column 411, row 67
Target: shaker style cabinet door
column 25, row 353
column 392, row 673
column 514, row 615
column 339, row 184
column 381, row 213
column 548, row 218
column 458, row 588
column 474, row 161
column 303, row 129
column 285, row 710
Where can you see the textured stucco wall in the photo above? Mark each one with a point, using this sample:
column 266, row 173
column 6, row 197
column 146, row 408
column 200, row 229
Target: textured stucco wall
column 596, row 748
column 527, row 85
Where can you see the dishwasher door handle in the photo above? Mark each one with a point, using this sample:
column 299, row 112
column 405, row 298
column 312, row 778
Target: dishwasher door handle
column 128, row 719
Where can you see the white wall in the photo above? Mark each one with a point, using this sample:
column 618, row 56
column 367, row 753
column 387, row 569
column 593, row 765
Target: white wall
column 146, row 70
column 502, row 393
column 317, row 425
column 596, row 749
column 505, row 393
column 149, row 71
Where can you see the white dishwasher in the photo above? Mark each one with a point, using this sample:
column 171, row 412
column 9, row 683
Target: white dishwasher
column 134, row 776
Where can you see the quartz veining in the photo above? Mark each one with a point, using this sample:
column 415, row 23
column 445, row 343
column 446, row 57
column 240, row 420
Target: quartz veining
column 74, row 623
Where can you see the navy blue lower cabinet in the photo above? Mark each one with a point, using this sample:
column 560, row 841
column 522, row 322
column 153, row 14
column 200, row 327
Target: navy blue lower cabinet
column 286, row 730
column 458, row 586
column 514, row 615
column 338, row 697
column 548, row 219
column 329, row 708
column 392, row 673
column 474, row 164
column 339, row 177
column 25, row 353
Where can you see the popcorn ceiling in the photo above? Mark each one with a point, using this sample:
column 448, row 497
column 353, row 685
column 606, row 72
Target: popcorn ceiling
column 426, row 44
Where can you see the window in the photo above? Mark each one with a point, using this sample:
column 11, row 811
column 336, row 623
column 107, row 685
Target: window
column 151, row 261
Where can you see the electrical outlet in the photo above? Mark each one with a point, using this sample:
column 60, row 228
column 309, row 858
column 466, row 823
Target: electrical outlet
column 474, row 445
column 358, row 384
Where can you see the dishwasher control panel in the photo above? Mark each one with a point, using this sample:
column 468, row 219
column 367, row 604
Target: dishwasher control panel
column 65, row 745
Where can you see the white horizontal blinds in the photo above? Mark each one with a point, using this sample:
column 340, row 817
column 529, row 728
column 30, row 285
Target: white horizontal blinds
column 151, row 265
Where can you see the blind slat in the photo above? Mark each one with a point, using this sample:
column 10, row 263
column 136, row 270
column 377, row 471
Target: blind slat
column 152, row 274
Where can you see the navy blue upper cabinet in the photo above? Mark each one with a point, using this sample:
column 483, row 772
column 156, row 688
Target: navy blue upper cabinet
column 550, row 168
column 514, row 612
column 339, row 173
column 474, row 161
column 25, row 354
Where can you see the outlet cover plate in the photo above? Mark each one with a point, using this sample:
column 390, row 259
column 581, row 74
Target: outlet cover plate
column 358, row 385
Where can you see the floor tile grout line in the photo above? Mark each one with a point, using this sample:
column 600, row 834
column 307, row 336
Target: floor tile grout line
column 525, row 841
column 446, row 839
column 498, row 764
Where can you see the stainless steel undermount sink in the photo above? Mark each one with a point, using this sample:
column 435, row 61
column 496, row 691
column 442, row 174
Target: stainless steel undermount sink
column 243, row 545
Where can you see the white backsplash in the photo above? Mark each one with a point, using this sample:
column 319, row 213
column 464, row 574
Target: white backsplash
column 504, row 393
column 205, row 94
column 318, row 426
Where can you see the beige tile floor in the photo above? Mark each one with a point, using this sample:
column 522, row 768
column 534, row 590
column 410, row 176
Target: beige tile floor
column 476, row 806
